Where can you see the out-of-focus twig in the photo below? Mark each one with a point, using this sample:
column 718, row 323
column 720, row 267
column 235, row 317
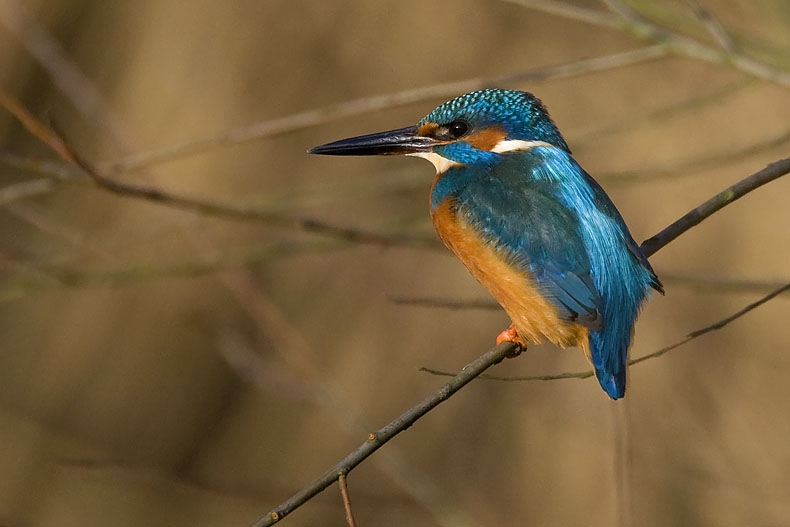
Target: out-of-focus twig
column 697, row 282
column 65, row 74
column 55, row 141
column 446, row 303
column 49, row 137
column 624, row 19
column 712, row 24
column 587, row 374
column 25, row 189
column 319, row 116
column 694, row 166
column 58, row 277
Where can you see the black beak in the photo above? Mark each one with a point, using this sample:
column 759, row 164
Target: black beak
column 401, row 141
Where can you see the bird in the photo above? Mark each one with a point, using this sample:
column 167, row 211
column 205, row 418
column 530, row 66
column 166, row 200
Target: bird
column 529, row 223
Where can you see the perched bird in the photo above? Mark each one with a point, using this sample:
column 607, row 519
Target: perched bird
column 529, row 223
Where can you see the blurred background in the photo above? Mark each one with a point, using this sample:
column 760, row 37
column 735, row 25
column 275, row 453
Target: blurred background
column 168, row 367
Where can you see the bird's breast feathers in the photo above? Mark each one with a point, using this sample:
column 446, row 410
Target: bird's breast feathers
column 522, row 297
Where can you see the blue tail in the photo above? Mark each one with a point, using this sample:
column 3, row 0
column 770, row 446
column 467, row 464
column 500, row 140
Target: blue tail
column 609, row 352
column 609, row 345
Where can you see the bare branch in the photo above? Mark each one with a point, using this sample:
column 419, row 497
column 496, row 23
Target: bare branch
column 712, row 24
column 341, row 481
column 446, row 303
column 589, row 373
column 571, row 12
column 469, row 372
column 706, row 283
column 771, row 172
column 626, row 20
column 25, row 189
column 379, row 438
column 63, row 71
column 319, row 116
column 52, row 139
column 695, row 165
column 713, row 327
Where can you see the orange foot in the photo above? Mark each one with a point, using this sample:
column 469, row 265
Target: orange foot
column 511, row 335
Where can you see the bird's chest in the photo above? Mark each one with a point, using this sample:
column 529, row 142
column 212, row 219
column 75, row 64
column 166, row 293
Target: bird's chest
column 533, row 315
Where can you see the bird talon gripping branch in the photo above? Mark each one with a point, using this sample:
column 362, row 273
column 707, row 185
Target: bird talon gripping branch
column 511, row 335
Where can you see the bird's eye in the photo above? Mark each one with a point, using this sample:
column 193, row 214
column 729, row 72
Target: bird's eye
column 456, row 129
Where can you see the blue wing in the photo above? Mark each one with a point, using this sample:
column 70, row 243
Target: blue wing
column 535, row 232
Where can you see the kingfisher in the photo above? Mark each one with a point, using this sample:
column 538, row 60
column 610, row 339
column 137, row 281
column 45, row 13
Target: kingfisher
column 529, row 223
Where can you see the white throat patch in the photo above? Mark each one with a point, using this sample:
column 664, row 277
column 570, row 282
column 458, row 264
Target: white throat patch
column 442, row 164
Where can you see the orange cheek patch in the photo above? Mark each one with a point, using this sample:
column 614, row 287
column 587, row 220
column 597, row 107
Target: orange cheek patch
column 487, row 138
column 427, row 129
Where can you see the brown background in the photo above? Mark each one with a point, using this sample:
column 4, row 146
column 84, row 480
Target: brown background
column 140, row 385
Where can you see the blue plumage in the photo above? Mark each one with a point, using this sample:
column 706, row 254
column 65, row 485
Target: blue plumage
column 529, row 223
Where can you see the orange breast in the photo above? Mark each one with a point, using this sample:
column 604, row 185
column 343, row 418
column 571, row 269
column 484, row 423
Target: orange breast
column 533, row 316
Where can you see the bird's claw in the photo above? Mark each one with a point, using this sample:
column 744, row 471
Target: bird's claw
column 511, row 335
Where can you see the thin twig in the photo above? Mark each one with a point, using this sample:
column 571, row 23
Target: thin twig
column 771, row 172
column 379, row 438
column 720, row 284
column 713, row 327
column 55, row 141
column 62, row 69
column 52, row 139
column 25, row 189
column 445, row 303
column 571, row 12
column 705, row 283
column 319, row 116
column 468, row 373
column 624, row 19
column 712, row 24
column 718, row 97
column 589, row 373
column 341, row 481
column 57, row 278
column 693, row 166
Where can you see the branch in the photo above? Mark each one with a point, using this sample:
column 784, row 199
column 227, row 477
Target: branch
column 623, row 18
column 55, row 141
column 713, row 327
column 62, row 69
column 589, row 373
column 706, row 283
column 58, row 277
column 469, row 372
column 712, row 24
column 771, row 172
column 364, row 105
column 379, row 438
column 341, row 481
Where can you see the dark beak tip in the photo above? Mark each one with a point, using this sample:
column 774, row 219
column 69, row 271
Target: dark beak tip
column 400, row 141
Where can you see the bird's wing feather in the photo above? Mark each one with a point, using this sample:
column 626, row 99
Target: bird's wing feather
column 606, row 205
column 535, row 232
